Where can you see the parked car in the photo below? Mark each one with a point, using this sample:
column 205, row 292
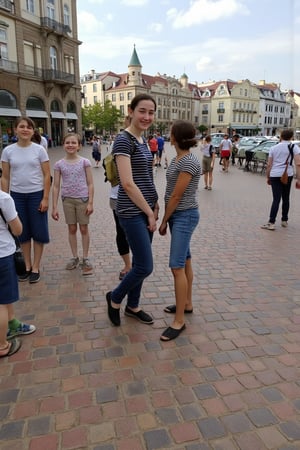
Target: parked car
column 248, row 143
column 265, row 145
column 216, row 141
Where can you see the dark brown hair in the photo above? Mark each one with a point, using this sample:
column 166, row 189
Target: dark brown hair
column 286, row 135
column 26, row 119
column 184, row 134
column 139, row 98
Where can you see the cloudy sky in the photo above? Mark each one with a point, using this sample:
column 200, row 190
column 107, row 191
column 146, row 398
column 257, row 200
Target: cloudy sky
column 206, row 39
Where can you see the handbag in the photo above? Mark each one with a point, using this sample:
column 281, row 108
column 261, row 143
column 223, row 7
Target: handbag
column 18, row 255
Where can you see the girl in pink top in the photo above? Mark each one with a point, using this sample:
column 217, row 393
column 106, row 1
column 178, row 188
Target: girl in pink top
column 77, row 193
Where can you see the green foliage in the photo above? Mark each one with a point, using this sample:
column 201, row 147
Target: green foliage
column 202, row 128
column 101, row 117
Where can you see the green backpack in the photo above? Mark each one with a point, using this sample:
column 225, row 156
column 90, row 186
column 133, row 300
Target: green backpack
column 109, row 164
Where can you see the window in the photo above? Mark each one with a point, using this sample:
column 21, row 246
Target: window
column 3, row 44
column 113, row 97
column 129, row 95
column 84, row 89
column 246, row 92
column 51, row 9
column 53, row 58
column 94, row 87
column 121, row 96
column 95, row 99
column 66, row 15
column 122, row 110
column 30, row 6
column 220, row 118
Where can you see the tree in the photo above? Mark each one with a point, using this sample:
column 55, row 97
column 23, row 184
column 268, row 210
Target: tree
column 101, row 118
column 202, row 129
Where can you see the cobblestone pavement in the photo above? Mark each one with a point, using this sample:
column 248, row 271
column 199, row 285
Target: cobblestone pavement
column 230, row 381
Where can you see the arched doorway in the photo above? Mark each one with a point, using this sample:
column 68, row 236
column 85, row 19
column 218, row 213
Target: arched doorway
column 72, row 117
column 57, row 117
column 35, row 109
column 8, row 114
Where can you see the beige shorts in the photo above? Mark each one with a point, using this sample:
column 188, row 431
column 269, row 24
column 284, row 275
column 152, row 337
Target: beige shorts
column 75, row 210
column 206, row 164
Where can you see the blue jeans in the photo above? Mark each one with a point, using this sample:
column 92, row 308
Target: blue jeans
column 280, row 191
column 182, row 225
column 139, row 239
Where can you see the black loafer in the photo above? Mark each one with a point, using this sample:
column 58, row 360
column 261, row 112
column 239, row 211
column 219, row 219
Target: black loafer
column 171, row 309
column 113, row 313
column 140, row 315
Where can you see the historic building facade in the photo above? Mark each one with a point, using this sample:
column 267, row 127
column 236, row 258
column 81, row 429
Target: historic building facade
column 39, row 66
column 241, row 107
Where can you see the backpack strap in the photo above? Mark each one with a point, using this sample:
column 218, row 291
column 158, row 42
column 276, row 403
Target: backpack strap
column 291, row 150
column 133, row 140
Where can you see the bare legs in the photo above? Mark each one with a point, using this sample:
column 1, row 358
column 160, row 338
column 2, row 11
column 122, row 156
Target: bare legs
column 37, row 255
column 85, row 238
column 183, row 280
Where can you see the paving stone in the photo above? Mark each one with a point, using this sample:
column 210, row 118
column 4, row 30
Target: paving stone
column 262, row 417
column 211, row 428
column 9, row 396
column 135, row 388
column 12, row 430
column 39, row 426
column 291, row 430
column 156, row 439
column 204, row 391
column 107, row 394
column 272, row 394
column 237, row 423
column 167, row 416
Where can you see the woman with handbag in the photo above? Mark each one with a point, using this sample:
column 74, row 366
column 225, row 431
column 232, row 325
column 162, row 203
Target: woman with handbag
column 10, row 327
column 280, row 160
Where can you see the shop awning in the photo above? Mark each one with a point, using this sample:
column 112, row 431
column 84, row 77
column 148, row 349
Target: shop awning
column 13, row 112
column 35, row 113
column 71, row 116
column 57, row 115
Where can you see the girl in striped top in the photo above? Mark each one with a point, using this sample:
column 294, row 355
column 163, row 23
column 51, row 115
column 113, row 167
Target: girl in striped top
column 137, row 208
column 182, row 216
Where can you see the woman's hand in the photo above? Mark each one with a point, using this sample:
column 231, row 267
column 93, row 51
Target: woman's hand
column 44, row 205
column 152, row 223
column 163, row 228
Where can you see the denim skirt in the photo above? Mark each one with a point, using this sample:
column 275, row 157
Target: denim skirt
column 9, row 289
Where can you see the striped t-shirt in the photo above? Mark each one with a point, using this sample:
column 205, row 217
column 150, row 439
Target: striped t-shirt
column 190, row 164
column 142, row 173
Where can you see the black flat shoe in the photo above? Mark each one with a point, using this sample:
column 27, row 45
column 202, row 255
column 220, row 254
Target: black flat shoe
column 171, row 333
column 142, row 316
column 113, row 313
column 171, row 309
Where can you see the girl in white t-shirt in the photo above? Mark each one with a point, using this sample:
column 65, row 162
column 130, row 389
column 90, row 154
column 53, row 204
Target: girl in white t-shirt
column 10, row 327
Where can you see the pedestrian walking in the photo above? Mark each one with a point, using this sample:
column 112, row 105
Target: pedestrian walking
column 74, row 174
column 208, row 162
column 281, row 156
column 182, row 216
column 225, row 152
column 137, row 209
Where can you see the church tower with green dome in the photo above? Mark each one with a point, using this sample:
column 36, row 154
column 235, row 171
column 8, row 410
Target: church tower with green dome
column 134, row 70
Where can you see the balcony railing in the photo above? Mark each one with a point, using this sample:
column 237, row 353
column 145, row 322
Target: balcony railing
column 58, row 76
column 205, row 111
column 53, row 25
column 10, row 66
column 7, row 5
column 220, row 110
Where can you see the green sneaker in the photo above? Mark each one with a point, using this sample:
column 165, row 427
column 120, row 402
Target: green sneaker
column 22, row 329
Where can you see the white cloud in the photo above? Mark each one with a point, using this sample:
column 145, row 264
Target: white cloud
column 134, row 2
column 88, row 23
column 155, row 27
column 202, row 11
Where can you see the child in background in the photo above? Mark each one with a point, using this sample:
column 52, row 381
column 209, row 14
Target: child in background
column 77, row 194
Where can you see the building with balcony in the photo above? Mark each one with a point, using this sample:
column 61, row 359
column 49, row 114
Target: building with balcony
column 39, row 66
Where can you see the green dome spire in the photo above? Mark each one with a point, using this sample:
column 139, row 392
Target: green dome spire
column 134, row 61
